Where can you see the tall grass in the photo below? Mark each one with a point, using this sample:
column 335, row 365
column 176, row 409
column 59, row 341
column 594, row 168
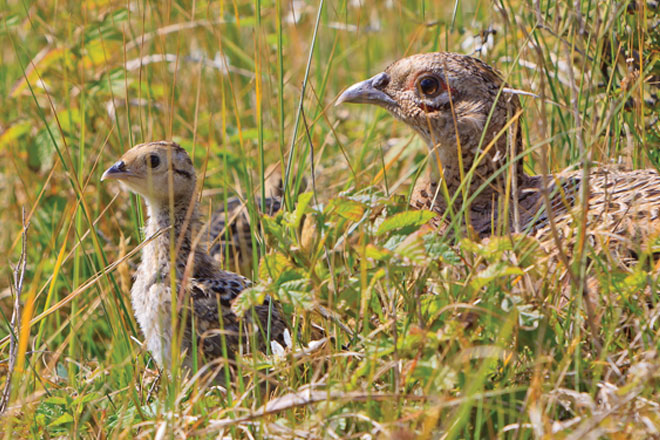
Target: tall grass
column 431, row 336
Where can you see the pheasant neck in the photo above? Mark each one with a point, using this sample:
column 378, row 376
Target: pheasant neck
column 485, row 183
column 444, row 168
column 474, row 163
column 184, row 222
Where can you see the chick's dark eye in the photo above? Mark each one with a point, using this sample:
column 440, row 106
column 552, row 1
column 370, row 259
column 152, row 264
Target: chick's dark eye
column 154, row 160
column 429, row 86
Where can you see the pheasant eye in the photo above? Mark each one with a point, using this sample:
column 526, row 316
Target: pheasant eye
column 154, row 160
column 429, row 86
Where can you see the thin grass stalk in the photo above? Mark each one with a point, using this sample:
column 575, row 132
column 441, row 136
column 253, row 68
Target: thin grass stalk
column 292, row 146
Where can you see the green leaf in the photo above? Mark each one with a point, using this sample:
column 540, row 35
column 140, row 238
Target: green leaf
column 491, row 249
column 61, row 420
column 437, row 248
column 106, row 29
column 636, row 281
column 347, row 209
column 298, row 292
column 377, row 253
column 84, row 398
column 394, row 241
column 413, row 218
column 412, row 250
column 247, row 299
column 272, row 266
column 492, row 272
column 14, row 132
column 272, row 227
column 55, row 400
column 301, row 207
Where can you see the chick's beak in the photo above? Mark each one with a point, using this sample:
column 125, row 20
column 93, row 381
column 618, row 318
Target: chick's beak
column 368, row 92
column 117, row 171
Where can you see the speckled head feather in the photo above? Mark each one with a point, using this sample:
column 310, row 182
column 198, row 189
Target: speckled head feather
column 441, row 94
column 146, row 170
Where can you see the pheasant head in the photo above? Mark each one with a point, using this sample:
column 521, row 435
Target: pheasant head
column 451, row 100
column 157, row 171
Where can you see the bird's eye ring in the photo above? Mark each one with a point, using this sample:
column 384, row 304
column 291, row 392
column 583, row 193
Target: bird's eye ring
column 429, row 86
column 153, row 161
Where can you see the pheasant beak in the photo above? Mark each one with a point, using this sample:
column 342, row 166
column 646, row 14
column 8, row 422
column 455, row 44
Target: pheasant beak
column 117, row 171
column 368, row 92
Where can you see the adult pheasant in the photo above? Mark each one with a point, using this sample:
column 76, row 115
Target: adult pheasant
column 470, row 121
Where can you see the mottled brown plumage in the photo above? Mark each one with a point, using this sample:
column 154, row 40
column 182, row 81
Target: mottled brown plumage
column 230, row 229
column 448, row 99
column 163, row 174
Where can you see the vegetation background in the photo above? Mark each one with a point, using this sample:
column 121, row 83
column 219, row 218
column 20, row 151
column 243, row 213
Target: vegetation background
column 433, row 338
